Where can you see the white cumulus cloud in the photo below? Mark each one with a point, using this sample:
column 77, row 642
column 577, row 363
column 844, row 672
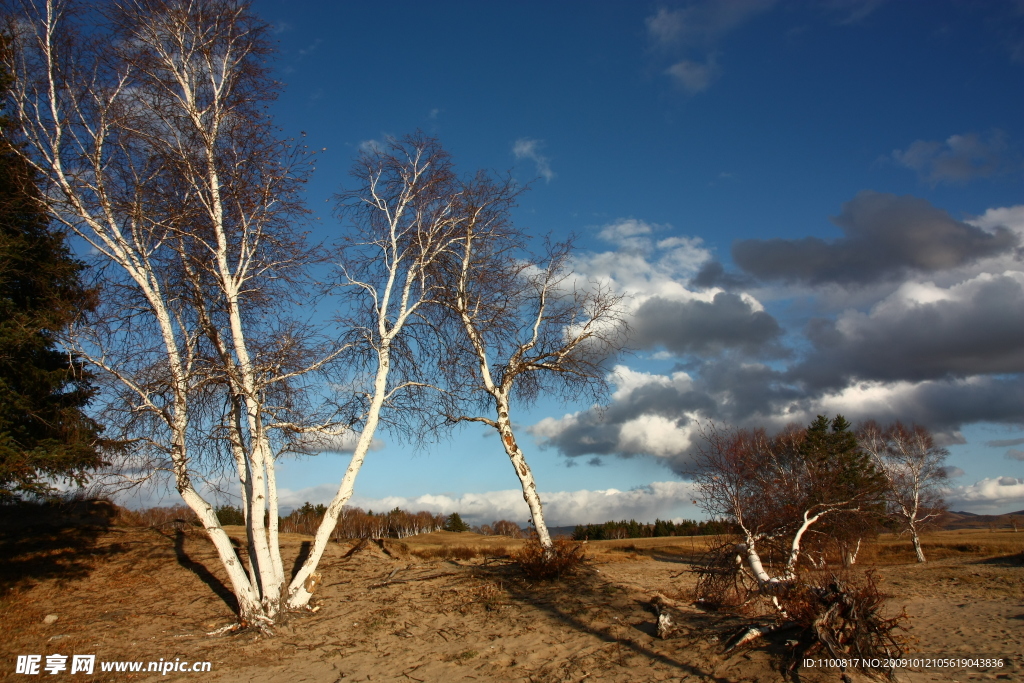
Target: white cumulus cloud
column 664, row 499
column 994, row 495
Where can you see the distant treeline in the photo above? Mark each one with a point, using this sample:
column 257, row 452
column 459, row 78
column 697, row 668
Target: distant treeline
column 355, row 522
column 633, row 529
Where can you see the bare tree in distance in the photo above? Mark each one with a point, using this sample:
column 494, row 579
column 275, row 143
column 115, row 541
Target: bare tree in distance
column 504, row 527
column 913, row 467
column 147, row 123
column 522, row 324
column 406, row 216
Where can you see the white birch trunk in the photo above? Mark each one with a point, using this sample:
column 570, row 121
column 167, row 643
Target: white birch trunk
column 749, row 550
column 794, row 548
column 250, row 607
column 917, row 545
column 299, row 591
column 850, row 555
column 508, row 441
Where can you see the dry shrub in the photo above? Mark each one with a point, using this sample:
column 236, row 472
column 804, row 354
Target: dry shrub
column 721, row 580
column 534, row 563
column 836, row 616
column 843, row 619
column 461, row 552
column 498, row 551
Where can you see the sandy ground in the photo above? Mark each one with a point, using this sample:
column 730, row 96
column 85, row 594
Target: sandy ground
column 124, row 593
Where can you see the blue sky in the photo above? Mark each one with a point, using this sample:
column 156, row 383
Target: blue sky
column 816, row 207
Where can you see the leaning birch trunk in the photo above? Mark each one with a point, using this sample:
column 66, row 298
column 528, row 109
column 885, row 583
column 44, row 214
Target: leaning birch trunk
column 412, row 235
column 569, row 332
column 794, row 548
column 530, row 495
column 301, row 588
column 250, row 608
column 749, row 550
column 917, row 545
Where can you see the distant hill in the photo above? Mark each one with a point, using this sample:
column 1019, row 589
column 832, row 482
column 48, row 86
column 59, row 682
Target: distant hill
column 959, row 519
column 970, row 520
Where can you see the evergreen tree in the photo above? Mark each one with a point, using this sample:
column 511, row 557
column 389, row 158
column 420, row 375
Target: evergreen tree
column 44, row 433
column 455, row 523
column 845, row 471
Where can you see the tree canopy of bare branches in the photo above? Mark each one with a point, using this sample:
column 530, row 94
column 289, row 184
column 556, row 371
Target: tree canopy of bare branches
column 782, row 491
column 147, row 123
column 777, row 489
column 913, row 468
column 522, row 324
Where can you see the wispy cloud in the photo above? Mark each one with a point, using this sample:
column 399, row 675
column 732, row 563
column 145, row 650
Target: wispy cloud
column 959, row 158
column 853, row 11
column 690, row 36
column 1004, row 443
column 370, row 145
column 311, row 48
column 529, row 148
column 695, row 77
column 701, row 24
column 342, row 443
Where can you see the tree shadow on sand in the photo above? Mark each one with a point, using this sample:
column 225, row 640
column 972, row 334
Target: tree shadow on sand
column 50, row 540
column 562, row 599
column 204, row 574
column 1005, row 560
column 301, row 557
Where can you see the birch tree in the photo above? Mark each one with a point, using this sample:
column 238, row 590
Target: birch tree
column 405, row 213
column 913, row 468
column 524, row 325
column 147, row 122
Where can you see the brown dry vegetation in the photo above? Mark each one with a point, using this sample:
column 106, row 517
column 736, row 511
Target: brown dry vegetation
column 450, row 607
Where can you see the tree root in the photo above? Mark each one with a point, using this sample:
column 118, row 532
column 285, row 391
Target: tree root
column 225, row 629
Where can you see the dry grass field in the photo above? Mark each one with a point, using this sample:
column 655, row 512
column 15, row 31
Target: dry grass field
column 452, row 607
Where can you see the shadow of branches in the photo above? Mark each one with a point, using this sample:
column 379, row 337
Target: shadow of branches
column 47, row 540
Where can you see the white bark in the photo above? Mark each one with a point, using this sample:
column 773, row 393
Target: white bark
column 749, row 550
column 417, row 219
column 912, row 466
column 518, row 322
column 794, row 548
column 850, row 555
column 917, row 545
column 104, row 127
column 298, row 591
column 529, row 486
